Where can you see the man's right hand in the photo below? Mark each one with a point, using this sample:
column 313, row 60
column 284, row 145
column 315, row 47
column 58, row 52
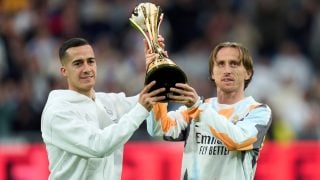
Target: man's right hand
column 185, row 94
column 149, row 54
column 148, row 99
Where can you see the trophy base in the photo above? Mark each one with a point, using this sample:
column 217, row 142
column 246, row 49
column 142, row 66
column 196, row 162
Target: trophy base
column 165, row 75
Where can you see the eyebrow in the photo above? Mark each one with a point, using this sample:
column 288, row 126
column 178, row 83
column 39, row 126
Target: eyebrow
column 77, row 60
column 237, row 60
column 81, row 59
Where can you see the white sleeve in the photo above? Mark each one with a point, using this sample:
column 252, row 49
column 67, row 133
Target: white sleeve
column 119, row 102
column 68, row 130
column 153, row 126
column 171, row 124
column 247, row 133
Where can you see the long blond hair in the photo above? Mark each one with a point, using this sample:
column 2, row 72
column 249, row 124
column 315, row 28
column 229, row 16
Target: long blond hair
column 245, row 58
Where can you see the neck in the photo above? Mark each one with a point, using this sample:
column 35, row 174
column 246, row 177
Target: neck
column 90, row 93
column 229, row 98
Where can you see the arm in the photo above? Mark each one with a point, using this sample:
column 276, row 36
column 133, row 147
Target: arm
column 248, row 133
column 160, row 122
column 68, row 128
column 70, row 131
column 171, row 124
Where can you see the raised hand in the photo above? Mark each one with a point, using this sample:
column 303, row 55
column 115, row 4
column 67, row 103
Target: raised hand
column 148, row 99
column 149, row 54
column 183, row 94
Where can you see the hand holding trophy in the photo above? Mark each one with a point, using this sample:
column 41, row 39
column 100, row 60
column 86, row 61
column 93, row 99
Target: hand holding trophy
column 146, row 18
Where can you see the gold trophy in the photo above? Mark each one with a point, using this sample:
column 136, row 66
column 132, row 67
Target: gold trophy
column 146, row 18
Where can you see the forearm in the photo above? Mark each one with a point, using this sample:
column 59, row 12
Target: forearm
column 241, row 135
column 161, row 122
column 71, row 133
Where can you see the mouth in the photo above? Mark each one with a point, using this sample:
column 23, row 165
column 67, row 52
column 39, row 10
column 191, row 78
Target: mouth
column 227, row 80
column 87, row 77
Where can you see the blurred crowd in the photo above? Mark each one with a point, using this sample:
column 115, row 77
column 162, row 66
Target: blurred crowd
column 283, row 37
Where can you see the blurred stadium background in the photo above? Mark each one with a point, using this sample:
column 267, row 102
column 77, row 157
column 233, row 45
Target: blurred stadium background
column 283, row 36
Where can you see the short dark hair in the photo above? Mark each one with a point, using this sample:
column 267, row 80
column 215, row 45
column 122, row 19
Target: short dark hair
column 73, row 42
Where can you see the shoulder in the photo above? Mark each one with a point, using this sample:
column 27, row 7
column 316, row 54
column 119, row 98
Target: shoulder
column 253, row 104
column 110, row 96
column 63, row 100
column 58, row 97
column 260, row 111
column 116, row 98
column 210, row 100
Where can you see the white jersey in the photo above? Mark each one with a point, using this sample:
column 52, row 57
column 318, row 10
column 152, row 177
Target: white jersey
column 84, row 138
column 222, row 142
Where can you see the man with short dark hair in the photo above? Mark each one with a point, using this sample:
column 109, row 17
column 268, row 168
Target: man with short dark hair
column 84, row 131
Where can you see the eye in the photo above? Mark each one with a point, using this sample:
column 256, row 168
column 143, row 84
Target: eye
column 77, row 63
column 91, row 61
column 235, row 63
column 220, row 64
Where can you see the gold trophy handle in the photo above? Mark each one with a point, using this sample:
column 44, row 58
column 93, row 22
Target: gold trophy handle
column 137, row 27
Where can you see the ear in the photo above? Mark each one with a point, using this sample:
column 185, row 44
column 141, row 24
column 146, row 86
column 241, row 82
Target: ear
column 63, row 71
column 212, row 77
column 248, row 75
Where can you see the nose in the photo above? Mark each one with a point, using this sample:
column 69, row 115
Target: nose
column 86, row 67
column 227, row 69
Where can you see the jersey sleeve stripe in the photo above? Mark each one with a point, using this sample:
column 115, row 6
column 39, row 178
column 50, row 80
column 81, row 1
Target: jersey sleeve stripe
column 231, row 145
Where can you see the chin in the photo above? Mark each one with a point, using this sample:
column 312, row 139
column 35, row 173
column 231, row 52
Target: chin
column 88, row 86
column 228, row 89
column 91, row 86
